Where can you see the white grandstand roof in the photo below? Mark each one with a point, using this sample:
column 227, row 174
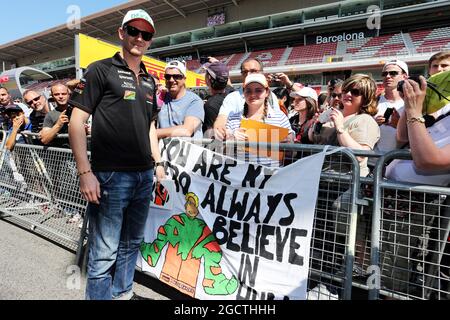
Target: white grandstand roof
column 104, row 24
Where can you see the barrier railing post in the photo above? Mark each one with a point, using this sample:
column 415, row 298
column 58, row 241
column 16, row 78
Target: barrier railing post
column 376, row 226
column 353, row 224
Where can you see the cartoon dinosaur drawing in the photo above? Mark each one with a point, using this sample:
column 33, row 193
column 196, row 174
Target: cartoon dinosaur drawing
column 189, row 240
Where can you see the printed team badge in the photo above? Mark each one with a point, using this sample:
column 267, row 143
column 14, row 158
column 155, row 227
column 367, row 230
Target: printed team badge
column 129, row 95
column 161, row 194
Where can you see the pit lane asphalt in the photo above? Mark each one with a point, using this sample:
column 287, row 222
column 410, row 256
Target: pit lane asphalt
column 33, row 268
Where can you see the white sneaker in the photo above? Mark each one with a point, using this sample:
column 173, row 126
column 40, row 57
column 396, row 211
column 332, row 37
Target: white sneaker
column 321, row 293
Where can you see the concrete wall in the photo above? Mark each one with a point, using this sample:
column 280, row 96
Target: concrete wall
column 247, row 9
column 47, row 56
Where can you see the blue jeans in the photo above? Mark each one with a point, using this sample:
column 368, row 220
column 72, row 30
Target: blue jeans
column 116, row 229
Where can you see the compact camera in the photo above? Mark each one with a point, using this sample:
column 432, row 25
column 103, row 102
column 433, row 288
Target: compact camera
column 325, row 116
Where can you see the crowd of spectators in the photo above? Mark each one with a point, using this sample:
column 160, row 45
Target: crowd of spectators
column 349, row 114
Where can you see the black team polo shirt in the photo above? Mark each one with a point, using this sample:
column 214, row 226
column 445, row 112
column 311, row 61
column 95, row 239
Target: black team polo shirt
column 122, row 109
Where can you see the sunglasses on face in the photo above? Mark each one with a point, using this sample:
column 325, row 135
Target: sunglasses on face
column 33, row 100
column 175, row 77
column 391, row 73
column 354, row 92
column 336, row 95
column 134, row 32
column 258, row 91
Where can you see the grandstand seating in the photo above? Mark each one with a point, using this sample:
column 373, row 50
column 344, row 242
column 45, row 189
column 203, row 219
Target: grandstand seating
column 385, row 45
column 424, row 41
column 311, row 53
column 269, row 57
column 431, row 40
column 235, row 60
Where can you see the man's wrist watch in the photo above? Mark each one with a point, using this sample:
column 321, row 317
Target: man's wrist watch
column 340, row 130
column 159, row 164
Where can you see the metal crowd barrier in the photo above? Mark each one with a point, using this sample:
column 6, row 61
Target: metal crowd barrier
column 39, row 189
column 410, row 232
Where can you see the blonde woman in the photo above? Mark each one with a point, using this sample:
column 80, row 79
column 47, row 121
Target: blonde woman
column 258, row 108
column 353, row 126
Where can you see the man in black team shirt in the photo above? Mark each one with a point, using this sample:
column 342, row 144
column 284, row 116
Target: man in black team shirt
column 120, row 95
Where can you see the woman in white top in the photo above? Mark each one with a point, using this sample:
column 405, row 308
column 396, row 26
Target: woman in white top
column 257, row 107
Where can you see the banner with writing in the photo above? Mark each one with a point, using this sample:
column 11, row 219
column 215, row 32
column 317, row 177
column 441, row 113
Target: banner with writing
column 219, row 228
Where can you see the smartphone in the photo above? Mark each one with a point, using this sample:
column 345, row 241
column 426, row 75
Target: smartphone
column 69, row 111
column 387, row 114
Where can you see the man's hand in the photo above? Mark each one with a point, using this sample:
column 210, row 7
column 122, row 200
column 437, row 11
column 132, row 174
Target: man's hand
column 395, row 117
column 90, row 187
column 63, row 118
column 160, row 173
column 284, row 79
column 380, row 119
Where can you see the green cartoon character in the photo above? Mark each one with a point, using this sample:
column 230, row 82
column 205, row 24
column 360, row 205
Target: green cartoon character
column 189, row 240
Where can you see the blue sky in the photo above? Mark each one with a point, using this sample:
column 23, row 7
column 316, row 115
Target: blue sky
column 21, row 18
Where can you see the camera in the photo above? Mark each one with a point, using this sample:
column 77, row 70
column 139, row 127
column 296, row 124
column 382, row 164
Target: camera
column 204, row 59
column 400, row 83
column 275, row 77
column 325, row 116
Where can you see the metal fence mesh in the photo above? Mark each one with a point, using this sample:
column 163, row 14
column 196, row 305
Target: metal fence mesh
column 413, row 237
column 40, row 186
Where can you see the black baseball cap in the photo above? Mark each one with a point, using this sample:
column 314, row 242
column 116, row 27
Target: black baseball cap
column 218, row 71
column 13, row 108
